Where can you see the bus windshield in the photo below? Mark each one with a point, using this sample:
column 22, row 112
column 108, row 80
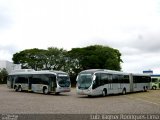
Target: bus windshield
column 84, row 81
column 63, row 80
column 154, row 79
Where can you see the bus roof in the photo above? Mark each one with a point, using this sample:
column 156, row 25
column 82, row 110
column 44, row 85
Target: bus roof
column 36, row 72
column 111, row 72
column 156, row 75
column 103, row 71
column 139, row 74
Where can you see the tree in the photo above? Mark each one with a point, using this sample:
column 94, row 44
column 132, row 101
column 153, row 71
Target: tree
column 56, row 58
column 3, row 76
column 39, row 59
column 31, row 58
column 96, row 57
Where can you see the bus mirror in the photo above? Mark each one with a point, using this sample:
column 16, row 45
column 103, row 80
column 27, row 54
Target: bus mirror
column 77, row 78
column 94, row 82
column 94, row 77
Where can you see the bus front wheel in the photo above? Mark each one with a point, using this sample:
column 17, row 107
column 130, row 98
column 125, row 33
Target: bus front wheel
column 16, row 88
column 154, row 87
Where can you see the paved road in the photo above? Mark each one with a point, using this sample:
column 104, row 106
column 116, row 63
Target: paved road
column 71, row 103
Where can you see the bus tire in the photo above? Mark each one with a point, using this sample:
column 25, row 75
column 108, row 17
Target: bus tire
column 19, row 89
column 57, row 93
column 45, row 90
column 144, row 89
column 16, row 88
column 89, row 96
column 154, row 87
column 124, row 91
column 104, row 92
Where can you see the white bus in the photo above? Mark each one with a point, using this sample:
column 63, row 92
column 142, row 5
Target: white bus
column 102, row 82
column 155, row 81
column 39, row 81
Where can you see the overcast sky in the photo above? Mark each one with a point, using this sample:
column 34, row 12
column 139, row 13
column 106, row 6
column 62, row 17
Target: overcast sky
column 131, row 26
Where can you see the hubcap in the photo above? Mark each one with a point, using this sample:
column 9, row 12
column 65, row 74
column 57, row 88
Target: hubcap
column 104, row 93
column 46, row 91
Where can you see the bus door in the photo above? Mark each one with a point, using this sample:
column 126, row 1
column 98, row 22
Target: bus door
column 29, row 83
column 110, row 84
column 10, row 81
column 131, row 82
column 120, row 81
column 135, row 80
column 115, row 83
column 53, row 83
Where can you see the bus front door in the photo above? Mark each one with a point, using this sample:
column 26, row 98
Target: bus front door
column 30, row 83
column 110, row 84
column 53, row 83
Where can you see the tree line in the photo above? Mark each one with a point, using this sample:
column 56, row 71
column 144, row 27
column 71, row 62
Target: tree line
column 72, row 62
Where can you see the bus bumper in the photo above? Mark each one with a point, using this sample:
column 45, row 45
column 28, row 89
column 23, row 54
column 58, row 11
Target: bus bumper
column 84, row 92
column 63, row 89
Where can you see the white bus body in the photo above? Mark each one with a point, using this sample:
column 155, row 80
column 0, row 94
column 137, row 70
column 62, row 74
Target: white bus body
column 103, row 82
column 155, row 81
column 39, row 81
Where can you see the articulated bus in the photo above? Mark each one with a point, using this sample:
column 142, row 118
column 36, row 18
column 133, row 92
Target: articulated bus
column 39, row 81
column 102, row 82
column 155, row 82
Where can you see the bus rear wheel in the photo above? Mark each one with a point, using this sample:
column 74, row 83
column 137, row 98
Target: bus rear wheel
column 124, row 91
column 16, row 88
column 144, row 89
column 57, row 93
column 104, row 92
column 45, row 90
column 20, row 89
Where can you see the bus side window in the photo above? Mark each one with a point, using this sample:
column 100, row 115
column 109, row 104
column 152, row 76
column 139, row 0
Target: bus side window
column 104, row 78
column 120, row 79
column 126, row 79
column 115, row 78
column 109, row 78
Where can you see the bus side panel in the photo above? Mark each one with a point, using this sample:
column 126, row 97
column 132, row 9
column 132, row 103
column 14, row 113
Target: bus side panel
column 98, row 90
column 141, row 83
column 24, row 86
column 37, row 88
column 126, row 86
column 138, row 86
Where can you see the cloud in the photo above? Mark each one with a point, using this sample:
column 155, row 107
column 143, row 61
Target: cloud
column 6, row 52
column 5, row 17
column 130, row 26
column 148, row 43
column 138, row 62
